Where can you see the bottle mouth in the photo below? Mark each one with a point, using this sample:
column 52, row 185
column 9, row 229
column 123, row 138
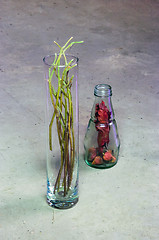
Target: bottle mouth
column 103, row 90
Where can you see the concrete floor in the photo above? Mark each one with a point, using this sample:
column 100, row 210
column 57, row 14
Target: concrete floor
column 122, row 49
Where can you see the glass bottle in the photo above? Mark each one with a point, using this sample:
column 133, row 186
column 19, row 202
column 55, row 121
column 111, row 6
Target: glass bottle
column 101, row 141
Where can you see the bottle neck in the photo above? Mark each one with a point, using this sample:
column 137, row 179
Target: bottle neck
column 102, row 109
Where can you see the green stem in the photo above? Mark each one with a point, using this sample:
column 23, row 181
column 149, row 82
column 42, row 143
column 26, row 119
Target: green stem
column 63, row 111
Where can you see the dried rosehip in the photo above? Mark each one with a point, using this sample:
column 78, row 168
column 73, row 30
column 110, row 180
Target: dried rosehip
column 107, row 156
column 113, row 159
column 98, row 160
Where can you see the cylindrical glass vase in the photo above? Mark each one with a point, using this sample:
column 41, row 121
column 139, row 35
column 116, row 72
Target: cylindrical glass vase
column 61, row 75
column 101, row 141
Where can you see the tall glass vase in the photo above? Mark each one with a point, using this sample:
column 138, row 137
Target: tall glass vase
column 61, row 73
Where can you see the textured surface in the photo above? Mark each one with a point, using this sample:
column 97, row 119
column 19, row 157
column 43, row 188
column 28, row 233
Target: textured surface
column 122, row 49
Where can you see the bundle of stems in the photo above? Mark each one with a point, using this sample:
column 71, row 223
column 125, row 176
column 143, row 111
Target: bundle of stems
column 61, row 99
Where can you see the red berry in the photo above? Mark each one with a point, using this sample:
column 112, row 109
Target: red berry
column 98, row 160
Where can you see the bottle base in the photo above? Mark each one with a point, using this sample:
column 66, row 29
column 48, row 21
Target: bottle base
column 100, row 166
column 62, row 204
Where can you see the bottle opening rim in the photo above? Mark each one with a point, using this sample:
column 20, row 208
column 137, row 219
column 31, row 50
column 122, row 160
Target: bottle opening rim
column 103, row 90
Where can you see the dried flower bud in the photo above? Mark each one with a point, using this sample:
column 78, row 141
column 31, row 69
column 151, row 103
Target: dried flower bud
column 107, row 156
column 98, row 160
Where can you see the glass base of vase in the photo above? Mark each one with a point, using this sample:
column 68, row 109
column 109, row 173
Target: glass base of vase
column 62, row 204
column 59, row 200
